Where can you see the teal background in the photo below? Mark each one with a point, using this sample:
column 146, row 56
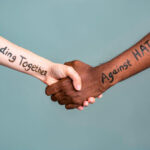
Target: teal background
column 93, row 31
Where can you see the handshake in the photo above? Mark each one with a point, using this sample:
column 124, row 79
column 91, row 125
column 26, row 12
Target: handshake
column 65, row 93
column 96, row 80
column 76, row 84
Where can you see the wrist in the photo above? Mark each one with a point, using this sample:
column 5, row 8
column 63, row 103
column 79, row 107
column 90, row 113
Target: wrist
column 46, row 67
column 107, row 75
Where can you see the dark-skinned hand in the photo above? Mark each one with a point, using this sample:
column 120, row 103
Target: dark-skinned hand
column 64, row 92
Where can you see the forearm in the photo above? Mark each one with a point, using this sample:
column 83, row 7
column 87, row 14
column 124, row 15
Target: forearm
column 130, row 62
column 23, row 60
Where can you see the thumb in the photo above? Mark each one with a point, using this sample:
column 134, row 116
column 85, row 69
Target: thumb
column 51, row 81
column 74, row 76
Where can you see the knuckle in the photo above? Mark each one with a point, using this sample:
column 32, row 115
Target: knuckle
column 67, row 107
column 66, row 86
column 63, row 83
column 76, row 62
column 69, row 69
column 77, row 101
column 53, row 98
column 46, row 91
column 60, row 102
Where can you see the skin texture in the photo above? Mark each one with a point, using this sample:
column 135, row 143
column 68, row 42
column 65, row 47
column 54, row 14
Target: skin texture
column 23, row 60
column 59, row 71
column 65, row 92
column 96, row 80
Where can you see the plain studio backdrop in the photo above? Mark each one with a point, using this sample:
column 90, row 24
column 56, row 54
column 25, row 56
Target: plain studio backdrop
column 93, row 31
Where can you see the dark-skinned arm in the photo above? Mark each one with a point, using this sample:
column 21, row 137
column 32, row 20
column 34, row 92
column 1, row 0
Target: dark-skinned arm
column 96, row 80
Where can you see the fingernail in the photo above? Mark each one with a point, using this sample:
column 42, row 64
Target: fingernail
column 78, row 87
column 100, row 96
column 80, row 108
column 86, row 103
column 92, row 101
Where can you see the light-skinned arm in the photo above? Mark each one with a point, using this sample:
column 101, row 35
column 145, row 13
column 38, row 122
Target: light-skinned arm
column 96, row 80
column 23, row 60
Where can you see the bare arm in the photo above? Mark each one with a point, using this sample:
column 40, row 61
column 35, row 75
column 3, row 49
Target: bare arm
column 25, row 61
column 130, row 62
column 96, row 80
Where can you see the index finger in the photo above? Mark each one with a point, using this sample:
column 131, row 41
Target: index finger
column 54, row 88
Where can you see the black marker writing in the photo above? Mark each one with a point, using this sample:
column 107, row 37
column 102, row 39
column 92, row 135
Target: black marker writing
column 111, row 75
column 29, row 66
column 5, row 51
column 143, row 49
column 22, row 62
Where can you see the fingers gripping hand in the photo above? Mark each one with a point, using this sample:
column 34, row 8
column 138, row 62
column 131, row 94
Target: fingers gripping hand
column 90, row 83
column 70, row 72
column 59, row 71
column 90, row 100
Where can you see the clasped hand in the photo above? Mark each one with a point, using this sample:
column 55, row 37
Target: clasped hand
column 64, row 92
